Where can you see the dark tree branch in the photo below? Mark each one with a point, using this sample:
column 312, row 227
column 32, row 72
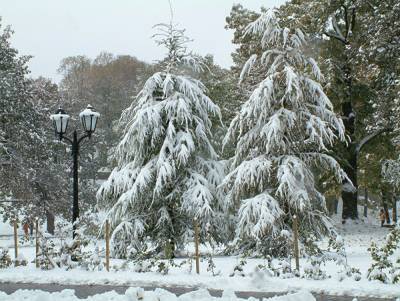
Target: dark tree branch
column 342, row 161
column 335, row 37
column 346, row 21
column 337, row 30
column 67, row 139
column 353, row 19
column 370, row 137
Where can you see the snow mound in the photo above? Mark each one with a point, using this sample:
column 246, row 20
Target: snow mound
column 135, row 294
column 302, row 295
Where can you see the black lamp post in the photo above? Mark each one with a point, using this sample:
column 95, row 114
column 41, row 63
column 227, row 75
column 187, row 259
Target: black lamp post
column 88, row 119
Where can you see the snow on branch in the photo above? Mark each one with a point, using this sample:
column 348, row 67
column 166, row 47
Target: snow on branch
column 247, row 67
column 166, row 163
column 391, row 172
column 259, row 215
column 282, row 133
column 175, row 41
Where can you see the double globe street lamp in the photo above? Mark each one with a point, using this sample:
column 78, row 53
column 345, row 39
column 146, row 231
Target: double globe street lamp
column 88, row 119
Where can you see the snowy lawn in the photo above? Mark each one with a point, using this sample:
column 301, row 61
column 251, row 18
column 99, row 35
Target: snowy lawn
column 357, row 239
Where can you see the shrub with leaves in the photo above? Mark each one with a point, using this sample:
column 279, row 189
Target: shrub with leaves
column 47, row 255
column 72, row 253
column 20, row 261
column 145, row 264
column 283, row 269
column 238, row 268
column 75, row 252
column 211, row 267
column 383, row 267
column 396, row 272
column 91, row 261
column 5, row 259
column 189, row 263
column 142, row 266
column 62, row 229
column 313, row 270
column 90, row 223
column 309, row 245
column 337, row 253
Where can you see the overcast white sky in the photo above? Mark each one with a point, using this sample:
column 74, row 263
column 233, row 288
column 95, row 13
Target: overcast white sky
column 53, row 29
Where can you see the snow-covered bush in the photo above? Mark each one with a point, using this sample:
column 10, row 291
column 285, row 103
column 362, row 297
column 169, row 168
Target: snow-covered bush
column 77, row 252
column 5, row 259
column 313, row 269
column 283, row 269
column 91, row 261
column 167, row 169
column 73, row 253
column 211, row 267
column 337, row 253
column 238, row 269
column 62, row 229
column 396, row 271
column 47, row 256
column 90, row 223
column 282, row 134
column 143, row 266
column 20, row 261
column 309, row 245
column 25, row 239
column 384, row 268
column 189, row 264
column 163, row 267
column 349, row 272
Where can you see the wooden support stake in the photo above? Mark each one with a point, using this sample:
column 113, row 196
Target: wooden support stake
column 37, row 242
column 296, row 242
column 107, row 246
column 15, row 239
column 196, row 245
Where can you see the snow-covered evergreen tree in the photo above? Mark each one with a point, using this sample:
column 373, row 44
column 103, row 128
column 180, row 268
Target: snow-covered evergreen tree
column 166, row 171
column 282, row 134
column 27, row 169
column 17, row 119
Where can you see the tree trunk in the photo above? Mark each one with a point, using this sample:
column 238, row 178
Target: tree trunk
column 366, row 203
column 349, row 192
column 385, row 200
column 336, row 204
column 394, row 211
column 170, row 244
column 349, row 196
column 50, row 222
column 385, row 208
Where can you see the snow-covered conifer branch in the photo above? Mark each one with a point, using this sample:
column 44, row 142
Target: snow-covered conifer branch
column 167, row 169
column 282, row 134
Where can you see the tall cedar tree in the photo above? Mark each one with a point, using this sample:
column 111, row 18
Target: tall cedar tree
column 166, row 171
column 283, row 133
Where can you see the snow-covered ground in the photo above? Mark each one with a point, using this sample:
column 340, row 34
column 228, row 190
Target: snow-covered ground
column 357, row 239
column 134, row 294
